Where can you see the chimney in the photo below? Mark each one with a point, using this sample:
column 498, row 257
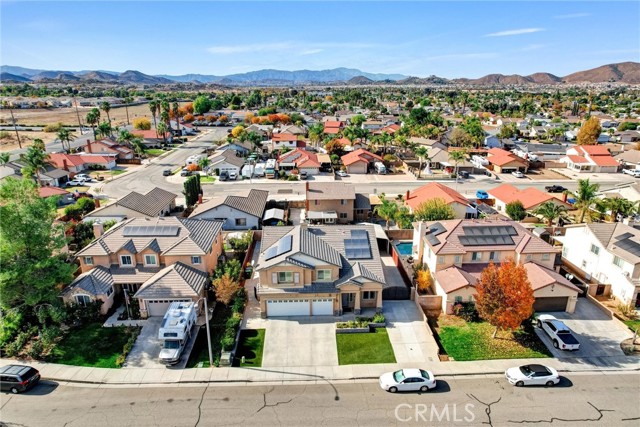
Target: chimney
column 564, row 197
column 306, row 186
column 88, row 147
column 98, row 229
column 65, row 165
column 406, row 198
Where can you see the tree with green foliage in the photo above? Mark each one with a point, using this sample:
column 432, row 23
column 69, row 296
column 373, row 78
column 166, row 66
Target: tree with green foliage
column 551, row 212
column 422, row 153
column 585, row 196
column 460, row 138
column 192, row 190
column 435, row 209
column 65, row 135
column 106, row 107
column 201, row 105
column 473, row 127
column 404, row 218
column 516, row 210
column 458, row 156
column 358, row 120
column 86, row 205
column 82, row 233
column 4, row 158
column 240, row 245
column 232, row 267
column 32, row 266
column 104, row 129
column 34, row 160
column 93, row 118
column 387, row 209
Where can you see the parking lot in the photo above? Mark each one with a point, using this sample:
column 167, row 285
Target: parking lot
column 598, row 335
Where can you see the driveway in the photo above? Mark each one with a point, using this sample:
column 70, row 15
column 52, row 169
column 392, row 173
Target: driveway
column 146, row 349
column 410, row 336
column 598, row 335
column 300, row 341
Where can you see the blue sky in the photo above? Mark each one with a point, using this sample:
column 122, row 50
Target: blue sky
column 452, row 39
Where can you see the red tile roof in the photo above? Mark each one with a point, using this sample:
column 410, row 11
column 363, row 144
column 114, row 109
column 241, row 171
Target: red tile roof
column 432, row 191
column 530, row 196
column 578, row 159
column 593, row 150
column 302, row 158
column 149, row 134
column 51, row 191
column 360, row 155
column 331, row 131
column 283, row 137
column 333, row 124
column 343, row 141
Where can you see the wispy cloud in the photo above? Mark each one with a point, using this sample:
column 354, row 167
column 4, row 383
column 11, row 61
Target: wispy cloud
column 288, row 46
column 311, row 51
column 572, row 15
column 456, row 56
column 531, row 47
column 515, row 32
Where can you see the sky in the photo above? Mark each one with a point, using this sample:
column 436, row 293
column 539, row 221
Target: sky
column 419, row 38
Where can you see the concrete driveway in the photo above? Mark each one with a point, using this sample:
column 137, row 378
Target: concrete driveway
column 146, row 349
column 410, row 336
column 300, row 341
column 598, row 335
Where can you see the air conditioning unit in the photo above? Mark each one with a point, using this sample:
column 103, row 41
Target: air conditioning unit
column 625, row 273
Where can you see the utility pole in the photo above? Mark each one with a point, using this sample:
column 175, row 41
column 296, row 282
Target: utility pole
column 15, row 127
column 75, row 101
column 206, row 319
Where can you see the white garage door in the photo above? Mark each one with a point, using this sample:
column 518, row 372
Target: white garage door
column 159, row 307
column 322, row 307
column 293, row 307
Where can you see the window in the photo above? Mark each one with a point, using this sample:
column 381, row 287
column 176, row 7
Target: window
column 88, row 260
column 584, row 264
column 476, row 256
column 125, row 260
column 619, row 262
column 546, row 257
column 285, row 277
column 83, row 300
column 150, row 260
column 196, row 260
column 529, row 257
column 458, row 259
column 595, row 249
column 343, row 202
column 565, row 250
column 369, row 295
column 241, row 222
column 315, row 202
column 493, row 256
column 458, row 299
column 110, row 291
column 440, row 260
column 323, row 275
column 343, row 215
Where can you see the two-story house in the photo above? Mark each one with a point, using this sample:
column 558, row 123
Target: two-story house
column 302, row 160
column 460, row 204
column 285, row 140
column 242, row 211
column 607, row 255
column 457, row 251
column 590, row 158
column 156, row 202
column 314, row 271
column 335, row 202
column 156, row 260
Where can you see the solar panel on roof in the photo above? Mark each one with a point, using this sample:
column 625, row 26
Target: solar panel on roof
column 150, row 230
column 485, row 240
column 358, row 247
column 282, row 247
column 492, row 230
column 630, row 246
column 624, row 236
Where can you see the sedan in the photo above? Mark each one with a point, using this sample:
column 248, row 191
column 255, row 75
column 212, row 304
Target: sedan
column 555, row 189
column 166, row 172
column 532, row 375
column 517, row 174
column 74, row 183
column 408, row 380
column 341, row 173
column 633, row 172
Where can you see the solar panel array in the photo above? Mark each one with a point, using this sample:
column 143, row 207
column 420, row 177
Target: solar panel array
column 150, row 230
column 491, row 230
column 485, row 240
column 358, row 246
column 624, row 236
column 283, row 246
column 494, row 235
column 630, row 246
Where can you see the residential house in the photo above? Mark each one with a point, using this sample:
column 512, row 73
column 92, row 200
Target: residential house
column 460, row 204
column 505, row 162
column 156, row 202
column 76, row 163
column 226, row 161
column 333, row 127
column 152, row 138
column 630, row 191
column 319, row 271
column 242, row 211
column 492, row 141
column 590, row 158
column 543, row 152
column 360, row 161
column 457, row 251
column 241, row 148
column 606, row 255
column 530, row 197
column 302, row 160
column 157, row 260
column 373, row 125
column 263, row 130
column 285, row 140
column 441, row 159
column 628, row 136
column 107, row 146
column 294, row 130
column 389, row 129
column 629, row 159
column 332, row 202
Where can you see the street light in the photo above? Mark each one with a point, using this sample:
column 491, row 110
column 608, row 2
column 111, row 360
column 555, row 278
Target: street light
column 206, row 319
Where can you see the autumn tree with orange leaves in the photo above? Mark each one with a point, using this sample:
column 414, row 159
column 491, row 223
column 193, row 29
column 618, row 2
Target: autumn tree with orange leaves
column 504, row 295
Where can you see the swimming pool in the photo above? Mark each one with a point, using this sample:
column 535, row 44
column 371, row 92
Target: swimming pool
column 404, row 248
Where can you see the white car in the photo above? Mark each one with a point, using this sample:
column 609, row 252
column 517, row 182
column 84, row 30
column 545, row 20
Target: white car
column 341, row 173
column 233, row 176
column 408, row 380
column 633, row 172
column 74, row 183
column 517, row 174
column 532, row 375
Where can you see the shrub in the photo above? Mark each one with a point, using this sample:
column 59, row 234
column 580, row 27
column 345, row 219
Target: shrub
column 227, row 343
column 49, row 334
column 53, row 127
column 292, row 178
column 13, row 348
column 379, row 318
column 73, row 212
column 79, row 315
column 142, row 123
column 10, row 323
column 86, row 204
column 466, row 311
column 627, row 310
column 423, row 281
column 234, row 321
column 239, row 301
column 36, row 349
column 5, row 135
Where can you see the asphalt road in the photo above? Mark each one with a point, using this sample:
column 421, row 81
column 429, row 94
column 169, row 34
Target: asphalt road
column 582, row 400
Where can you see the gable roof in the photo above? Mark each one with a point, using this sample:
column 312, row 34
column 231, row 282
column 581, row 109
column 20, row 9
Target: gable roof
column 301, row 158
column 149, row 204
column 283, row 137
column 330, row 191
column 359, row 155
column 97, row 281
column 252, row 202
column 530, row 196
column 52, row 191
column 228, row 156
column 175, row 281
column 434, row 190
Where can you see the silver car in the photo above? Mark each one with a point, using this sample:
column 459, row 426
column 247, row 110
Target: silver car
column 408, row 380
column 532, row 375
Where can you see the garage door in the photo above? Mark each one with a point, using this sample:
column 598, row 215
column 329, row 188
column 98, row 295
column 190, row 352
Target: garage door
column 159, row 307
column 322, row 307
column 293, row 307
column 551, row 304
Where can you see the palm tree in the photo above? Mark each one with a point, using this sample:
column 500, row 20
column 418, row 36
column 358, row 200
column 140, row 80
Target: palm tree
column 175, row 109
column 34, row 160
column 65, row 135
column 422, row 154
column 386, row 210
column 350, row 133
column 93, row 118
column 162, row 129
column 204, row 163
column 153, row 107
column 585, row 196
column 384, row 139
column 125, row 137
column 106, row 107
column 457, row 156
column 550, row 212
column 138, row 146
column 618, row 205
column 127, row 100
column 4, row 158
column 104, row 129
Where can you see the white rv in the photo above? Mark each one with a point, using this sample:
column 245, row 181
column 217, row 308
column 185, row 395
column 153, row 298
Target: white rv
column 247, row 171
column 270, row 169
column 194, row 160
column 258, row 170
column 175, row 330
column 380, row 168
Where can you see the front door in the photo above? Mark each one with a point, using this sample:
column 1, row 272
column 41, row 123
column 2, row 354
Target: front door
column 600, row 290
column 348, row 301
column 638, row 300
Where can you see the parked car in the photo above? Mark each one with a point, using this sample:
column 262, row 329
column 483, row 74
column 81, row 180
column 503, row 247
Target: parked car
column 224, row 175
column 166, row 172
column 482, row 195
column 407, row 380
column 233, row 176
column 83, row 177
column 517, row 174
column 555, row 189
column 532, row 375
column 303, row 175
column 559, row 333
column 185, row 172
column 341, row 173
column 633, row 172
column 80, row 194
column 73, row 183
column 18, row 378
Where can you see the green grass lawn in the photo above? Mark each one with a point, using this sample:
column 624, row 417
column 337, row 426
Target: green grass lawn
column 80, row 189
column 200, row 352
column 472, row 341
column 155, row 152
column 207, row 179
column 251, row 346
column 90, row 345
column 634, row 325
column 374, row 347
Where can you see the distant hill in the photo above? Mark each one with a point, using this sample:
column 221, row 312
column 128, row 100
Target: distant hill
column 131, row 76
column 624, row 72
column 431, row 80
column 8, row 77
column 359, row 80
column 544, row 78
column 99, row 76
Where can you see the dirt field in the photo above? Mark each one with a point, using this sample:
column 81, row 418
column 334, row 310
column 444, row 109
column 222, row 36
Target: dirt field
column 11, row 142
column 540, row 174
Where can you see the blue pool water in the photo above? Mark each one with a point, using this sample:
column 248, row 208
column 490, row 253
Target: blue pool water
column 404, row 248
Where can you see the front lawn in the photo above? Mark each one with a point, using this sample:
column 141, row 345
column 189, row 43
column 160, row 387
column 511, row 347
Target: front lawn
column 155, row 152
column 472, row 341
column 250, row 346
column 372, row 347
column 205, row 179
column 91, row 345
column 217, row 325
column 634, row 325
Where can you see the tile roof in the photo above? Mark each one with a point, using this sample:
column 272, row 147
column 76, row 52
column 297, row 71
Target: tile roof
column 432, row 191
column 51, row 191
column 283, row 137
column 228, row 156
column 541, row 277
column 593, row 150
column 330, row 191
column 98, row 281
column 150, row 204
column 454, row 278
column 252, row 202
column 59, row 158
column 175, row 281
column 301, row 158
column 359, row 155
column 530, row 196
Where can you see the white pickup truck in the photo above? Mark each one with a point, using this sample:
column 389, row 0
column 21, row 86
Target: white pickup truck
column 559, row 333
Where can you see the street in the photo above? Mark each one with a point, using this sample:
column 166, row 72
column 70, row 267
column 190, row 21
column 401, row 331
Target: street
column 591, row 399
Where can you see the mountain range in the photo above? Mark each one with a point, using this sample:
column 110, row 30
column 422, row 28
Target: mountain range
column 624, row 72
